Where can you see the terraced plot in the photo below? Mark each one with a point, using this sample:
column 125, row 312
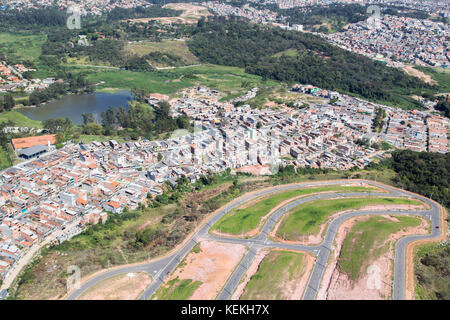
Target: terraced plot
column 248, row 217
column 177, row 289
column 203, row 273
column 308, row 218
column 362, row 267
column 368, row 240
column 287, row 283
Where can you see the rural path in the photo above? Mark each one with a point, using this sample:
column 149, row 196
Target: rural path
column 161, row 268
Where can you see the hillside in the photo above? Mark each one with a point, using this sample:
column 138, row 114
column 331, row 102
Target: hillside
column 235, row 42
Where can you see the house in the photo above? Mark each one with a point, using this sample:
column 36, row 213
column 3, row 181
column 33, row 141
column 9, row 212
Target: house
column 44, row 140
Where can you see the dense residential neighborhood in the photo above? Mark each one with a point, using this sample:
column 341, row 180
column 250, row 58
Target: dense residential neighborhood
column 175, row 151
column 77, row 184
column 405, row 39
column 12, row 79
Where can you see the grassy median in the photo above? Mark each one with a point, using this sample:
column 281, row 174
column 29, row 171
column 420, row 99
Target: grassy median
column 306, row 219
column 247, row 219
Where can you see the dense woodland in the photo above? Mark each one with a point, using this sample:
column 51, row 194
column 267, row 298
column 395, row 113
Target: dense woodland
column 241, row 44
column 52, row 16
column 70, row 84
column 140, row 120
column 32, row 18
column 425, row 173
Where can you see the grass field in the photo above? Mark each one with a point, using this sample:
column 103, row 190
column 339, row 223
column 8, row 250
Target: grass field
column 19, row 119
column 307, row 218
column 288, row 53
column 229, row 80
column 24, row 46
column 86, row 138
column 177, row 289
column 176, row 47
column 440, row 75
column 367, row 240
column 247, row 219
column 270, row 285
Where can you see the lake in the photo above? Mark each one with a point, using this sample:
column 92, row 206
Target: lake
column 74, row 105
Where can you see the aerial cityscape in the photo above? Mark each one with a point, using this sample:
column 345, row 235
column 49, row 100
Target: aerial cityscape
column 175, row 150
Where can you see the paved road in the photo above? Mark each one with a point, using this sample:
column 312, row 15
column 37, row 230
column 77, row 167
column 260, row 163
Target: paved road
column 161, row 268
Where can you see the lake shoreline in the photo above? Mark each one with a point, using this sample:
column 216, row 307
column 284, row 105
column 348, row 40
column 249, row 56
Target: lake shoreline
column 73, row 105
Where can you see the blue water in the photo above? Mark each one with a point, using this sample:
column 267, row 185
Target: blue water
column 73, row 106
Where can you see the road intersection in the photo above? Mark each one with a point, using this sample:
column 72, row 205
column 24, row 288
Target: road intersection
column 161, row 268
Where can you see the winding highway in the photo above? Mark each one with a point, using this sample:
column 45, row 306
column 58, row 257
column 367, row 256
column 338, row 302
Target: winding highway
column 161, row 268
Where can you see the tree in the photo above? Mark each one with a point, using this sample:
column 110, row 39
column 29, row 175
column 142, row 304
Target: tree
column 8, row 102
column 108, row 117
column 93, row 129
column 183, row 122
column 87, row 118
column 63, row 125
column 122, row 117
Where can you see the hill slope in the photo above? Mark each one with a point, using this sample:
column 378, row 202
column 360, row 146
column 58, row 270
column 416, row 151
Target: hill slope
column 238, row 43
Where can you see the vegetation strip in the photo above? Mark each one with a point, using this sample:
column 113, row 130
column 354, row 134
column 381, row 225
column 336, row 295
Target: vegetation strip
column 307, row 218
column 247, row 219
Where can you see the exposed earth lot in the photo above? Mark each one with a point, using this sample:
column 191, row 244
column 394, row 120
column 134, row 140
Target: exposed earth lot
column 191, row 13
column 126, row 286
column 361, row 264
column 204, row 271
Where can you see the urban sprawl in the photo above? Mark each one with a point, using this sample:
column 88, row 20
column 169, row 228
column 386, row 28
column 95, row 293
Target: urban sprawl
column 54, row 193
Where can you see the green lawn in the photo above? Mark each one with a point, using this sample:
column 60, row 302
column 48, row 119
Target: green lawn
column 19, row 119
column 366, row 241
column 306, row 219
column 244, row 220
column 177, row 289
column 266, row 284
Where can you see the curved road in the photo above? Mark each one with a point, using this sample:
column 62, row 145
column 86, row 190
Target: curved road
column 162, row 267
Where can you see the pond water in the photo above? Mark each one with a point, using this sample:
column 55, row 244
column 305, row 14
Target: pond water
column 74, row 105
